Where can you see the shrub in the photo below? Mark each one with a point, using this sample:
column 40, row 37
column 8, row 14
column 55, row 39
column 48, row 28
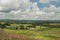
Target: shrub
column 21, row 26
column 2, row 26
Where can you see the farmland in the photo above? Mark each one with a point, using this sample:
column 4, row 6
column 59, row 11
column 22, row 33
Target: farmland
column 46, row 34
column 29, row 31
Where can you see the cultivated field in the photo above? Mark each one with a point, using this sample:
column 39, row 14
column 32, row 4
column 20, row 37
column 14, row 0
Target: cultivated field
column 46, row 34
column 29, row 32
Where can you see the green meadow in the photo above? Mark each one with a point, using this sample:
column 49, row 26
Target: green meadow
column 14, row 31
column 42, row 33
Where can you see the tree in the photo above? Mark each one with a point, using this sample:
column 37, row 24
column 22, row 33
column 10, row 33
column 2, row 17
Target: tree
column 21, row 26
column 2, row 26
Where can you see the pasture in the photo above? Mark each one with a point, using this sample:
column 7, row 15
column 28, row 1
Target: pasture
column 43, row 33
column 29, row 31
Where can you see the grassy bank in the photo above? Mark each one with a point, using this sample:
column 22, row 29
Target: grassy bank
column 12, row 36
column 46, row 34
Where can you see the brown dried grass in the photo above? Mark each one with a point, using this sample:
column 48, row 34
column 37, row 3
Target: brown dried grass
column 10, row 36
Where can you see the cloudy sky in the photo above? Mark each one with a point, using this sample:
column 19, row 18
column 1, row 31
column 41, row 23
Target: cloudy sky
column 30, row 9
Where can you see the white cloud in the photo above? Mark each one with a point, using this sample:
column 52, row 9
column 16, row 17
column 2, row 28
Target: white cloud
column 27, row 13
column 14, row 4
column 52, row 12
column 4, row 15
column 9, row 4
column 36, row 10
column 31, row 14
column 24, row 9
column 44, row 1
column 35, row 7
column 52, row 8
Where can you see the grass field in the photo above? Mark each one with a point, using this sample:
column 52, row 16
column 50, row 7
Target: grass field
column 13, row 36
column 29, row 32
column 43, row 34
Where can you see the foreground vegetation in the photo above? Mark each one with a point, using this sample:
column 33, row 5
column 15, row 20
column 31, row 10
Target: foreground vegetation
column 18, row 31
column 12, row 36
column 48, row 34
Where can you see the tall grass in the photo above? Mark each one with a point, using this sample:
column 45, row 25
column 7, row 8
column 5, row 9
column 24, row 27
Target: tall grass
column 46, row 34
column 10, row 36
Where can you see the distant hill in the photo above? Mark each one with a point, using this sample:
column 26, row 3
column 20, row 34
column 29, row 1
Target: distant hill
column 29, row 21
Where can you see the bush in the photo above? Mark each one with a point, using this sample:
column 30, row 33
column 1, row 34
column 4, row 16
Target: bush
column 2, row 26
column 21, row 26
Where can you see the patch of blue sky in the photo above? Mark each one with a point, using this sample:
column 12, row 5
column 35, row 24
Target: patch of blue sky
column 56, row 3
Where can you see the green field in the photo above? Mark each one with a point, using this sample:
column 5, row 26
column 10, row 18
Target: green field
column 29, row 31
column 41, row 34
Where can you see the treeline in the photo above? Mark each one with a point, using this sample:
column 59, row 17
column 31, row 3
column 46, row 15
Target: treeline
column 14, row 25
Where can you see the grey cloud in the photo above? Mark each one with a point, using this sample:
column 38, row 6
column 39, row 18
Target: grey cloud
column 24, row 9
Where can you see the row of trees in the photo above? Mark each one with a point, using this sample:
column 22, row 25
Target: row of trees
column 3, row 25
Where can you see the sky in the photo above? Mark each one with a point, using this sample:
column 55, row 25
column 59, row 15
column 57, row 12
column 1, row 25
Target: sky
column 30, row 9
